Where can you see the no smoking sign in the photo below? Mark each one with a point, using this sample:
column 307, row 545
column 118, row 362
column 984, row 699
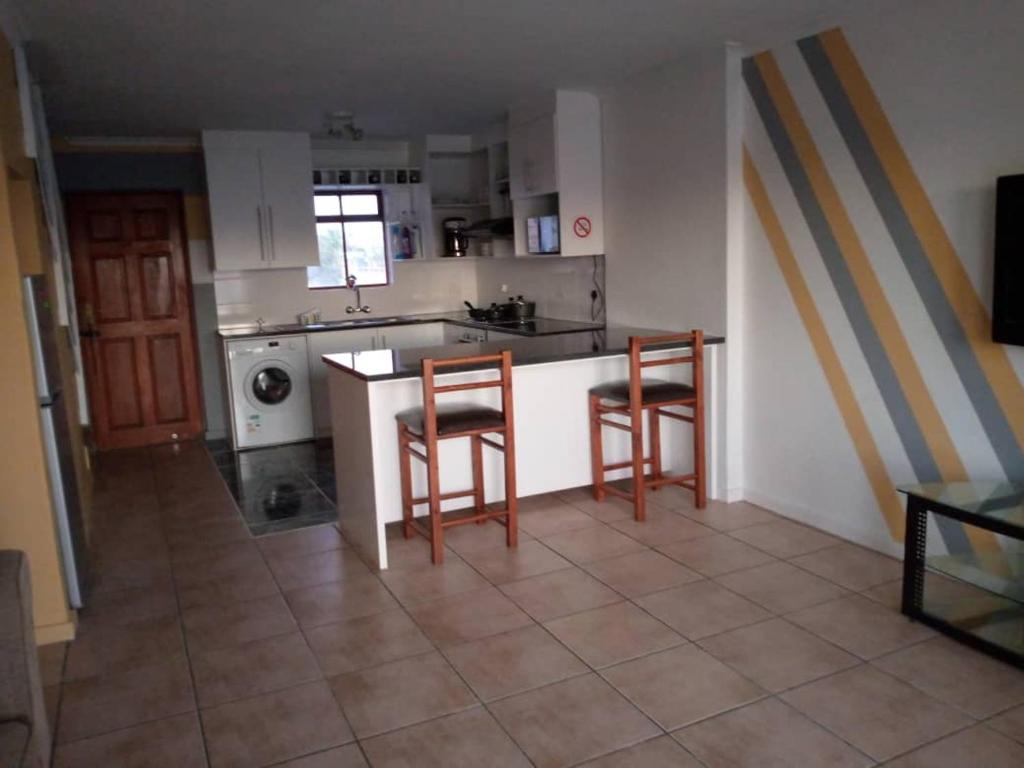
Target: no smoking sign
column 581, row 226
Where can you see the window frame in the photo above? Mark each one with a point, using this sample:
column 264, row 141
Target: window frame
column 343, row 219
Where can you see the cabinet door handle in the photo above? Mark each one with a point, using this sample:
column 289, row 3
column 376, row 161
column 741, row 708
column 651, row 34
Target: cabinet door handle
column 259, row 225
column 270, row 227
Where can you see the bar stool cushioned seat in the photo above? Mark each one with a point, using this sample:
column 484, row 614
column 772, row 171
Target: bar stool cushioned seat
column 453, row 418
column 653, row 391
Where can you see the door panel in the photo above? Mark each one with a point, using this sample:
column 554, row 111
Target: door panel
column 156, row 280
column 165, row 367
column 119, row 368
column 135, row 315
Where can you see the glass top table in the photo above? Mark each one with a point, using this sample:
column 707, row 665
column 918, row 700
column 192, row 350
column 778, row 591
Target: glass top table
column 973, row 589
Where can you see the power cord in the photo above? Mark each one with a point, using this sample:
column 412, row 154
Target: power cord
column 597, row 302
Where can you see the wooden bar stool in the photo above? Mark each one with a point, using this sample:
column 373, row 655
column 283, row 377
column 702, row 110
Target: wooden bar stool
column 631, row 398
column 432, row 423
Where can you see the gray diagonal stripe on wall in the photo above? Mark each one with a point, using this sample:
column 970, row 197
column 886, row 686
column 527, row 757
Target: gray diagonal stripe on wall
column 870, row 344
column 936, row 303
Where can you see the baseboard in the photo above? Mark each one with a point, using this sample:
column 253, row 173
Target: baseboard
column 731, row 495
column 872, row 538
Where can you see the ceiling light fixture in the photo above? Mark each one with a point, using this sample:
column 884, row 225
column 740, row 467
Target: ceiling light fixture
column 342, row 125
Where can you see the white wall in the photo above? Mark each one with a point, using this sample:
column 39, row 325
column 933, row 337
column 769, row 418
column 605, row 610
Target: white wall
column 665, row 196
column 560, row 286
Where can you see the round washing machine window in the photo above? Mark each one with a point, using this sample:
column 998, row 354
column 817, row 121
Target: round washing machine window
column 271, row 385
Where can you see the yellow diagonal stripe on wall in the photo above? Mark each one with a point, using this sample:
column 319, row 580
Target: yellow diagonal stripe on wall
column 955, row 282
column 863, row 441
column 880, row 311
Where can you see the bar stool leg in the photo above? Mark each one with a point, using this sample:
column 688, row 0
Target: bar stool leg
column 596, row 449
column 654, row 422
column 511, row 498
column 405, row 472
column 699, row 460
column 636, row 425
column 476, row 448
column 434, row 501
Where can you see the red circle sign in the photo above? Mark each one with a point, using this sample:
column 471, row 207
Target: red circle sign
column 582, row 226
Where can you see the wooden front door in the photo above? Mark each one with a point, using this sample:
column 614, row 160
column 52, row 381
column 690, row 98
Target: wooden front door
column 135, row 315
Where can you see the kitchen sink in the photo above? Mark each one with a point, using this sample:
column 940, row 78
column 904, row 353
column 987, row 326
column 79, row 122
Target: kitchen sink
column 357, row 321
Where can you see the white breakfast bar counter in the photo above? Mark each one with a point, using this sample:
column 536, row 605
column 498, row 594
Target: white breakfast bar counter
column 551, row 376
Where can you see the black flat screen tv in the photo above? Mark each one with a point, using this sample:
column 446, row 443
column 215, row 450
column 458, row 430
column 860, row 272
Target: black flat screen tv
column 1008, row 286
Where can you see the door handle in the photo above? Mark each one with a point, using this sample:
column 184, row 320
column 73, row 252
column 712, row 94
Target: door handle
column 259, row 226
column 270, row 228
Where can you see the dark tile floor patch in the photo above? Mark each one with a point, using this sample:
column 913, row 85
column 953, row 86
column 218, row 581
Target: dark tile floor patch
column 280, row 488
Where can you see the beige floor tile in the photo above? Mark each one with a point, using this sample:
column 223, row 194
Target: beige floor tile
column 781, row 587
column 851, row 566
column 218, row 626
column 366, row 641
column 765, row 733
column 612, row 508
column 878, row 714
column 957, row 675
column 784, row 538
column 1010, row 723
column 572, row 721
column 662, row 752
column 113, row 648
column 715, row 555
column 101, row 704
column 777, row 655
column 977, row 746
column 174, row 742
column 552, row 518
column 613, row 633
column 431, row 582
column 702, row 609
column 889, row 594
column 861, row 626
column 312, row 568
column 513, row 662
column 194, row 541
column 502, row 564
column 681, row 685
column 662, row 527
column 468, row 616
column 592, row 543
column 234, row 587
column 640, row 573
column 401, row 693
column 551, row 595
column 249, row 669
column 118, row 575
column 51, row 662
column 207, row 563
column 129, row 606
column 320, row 538
column 729, row 517
column 473, row 538
column 349, row 756
column 413, row 553
column 470, row 738
column 327, row 603
column 274, row 727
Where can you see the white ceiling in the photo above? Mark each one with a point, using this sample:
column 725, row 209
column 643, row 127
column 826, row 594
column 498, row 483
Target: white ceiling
column 405, row 67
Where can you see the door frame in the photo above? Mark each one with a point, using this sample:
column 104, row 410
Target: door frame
column 88, row 350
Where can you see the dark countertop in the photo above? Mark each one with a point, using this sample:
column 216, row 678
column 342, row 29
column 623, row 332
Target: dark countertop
column 384, row 364
column 537, row 326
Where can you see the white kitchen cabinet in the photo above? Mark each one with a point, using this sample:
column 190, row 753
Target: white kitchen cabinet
column 327, row 343
column 502, row 336
column 261, row 199
column 453, row 334
column 531, row 147
column 555, row 167
column 411, row 336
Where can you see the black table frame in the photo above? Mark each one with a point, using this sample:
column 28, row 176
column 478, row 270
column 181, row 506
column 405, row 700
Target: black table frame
column 915, row 542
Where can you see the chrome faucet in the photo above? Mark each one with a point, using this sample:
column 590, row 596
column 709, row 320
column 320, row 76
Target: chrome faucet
column 359, row 307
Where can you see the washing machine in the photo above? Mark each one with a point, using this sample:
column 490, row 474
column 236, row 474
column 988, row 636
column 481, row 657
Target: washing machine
column 268, row 378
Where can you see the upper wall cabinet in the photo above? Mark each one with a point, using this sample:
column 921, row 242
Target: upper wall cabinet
column 554, row 148
column 260, row 186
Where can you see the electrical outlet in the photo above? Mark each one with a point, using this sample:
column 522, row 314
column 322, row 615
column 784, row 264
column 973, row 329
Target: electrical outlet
column 504, row 288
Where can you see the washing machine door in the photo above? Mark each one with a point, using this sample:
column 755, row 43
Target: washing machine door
column 269, row 384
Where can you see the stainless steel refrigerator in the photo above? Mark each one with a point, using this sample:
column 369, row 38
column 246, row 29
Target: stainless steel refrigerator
column 67, row 509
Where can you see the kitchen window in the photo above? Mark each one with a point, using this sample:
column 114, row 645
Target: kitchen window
column 350, row 233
